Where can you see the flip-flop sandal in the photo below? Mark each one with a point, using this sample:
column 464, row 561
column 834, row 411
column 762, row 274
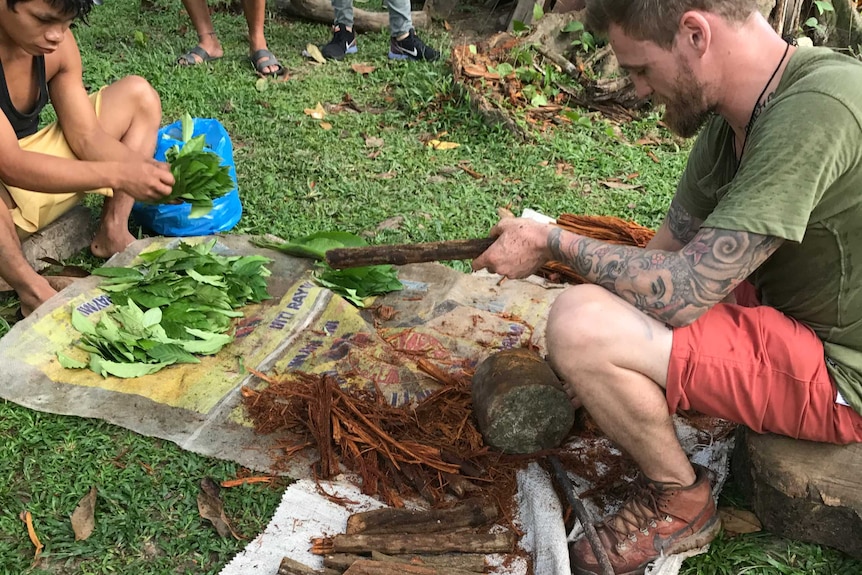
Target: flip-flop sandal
column 188, row 59
column 263, row 59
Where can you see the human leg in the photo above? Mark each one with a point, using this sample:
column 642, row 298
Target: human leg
column 758, row 367
column 404, row 44
column 343, row 40
column 208, row 48
column 613, row 359
column 264, row 61
column 130, row 110
column 32, row 289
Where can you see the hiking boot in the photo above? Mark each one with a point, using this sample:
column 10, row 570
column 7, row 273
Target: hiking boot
column 343, row 42
column 660, row 518
column 411, row 48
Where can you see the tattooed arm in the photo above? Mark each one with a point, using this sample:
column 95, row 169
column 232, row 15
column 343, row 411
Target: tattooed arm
column 678, row 228
column 675, row 287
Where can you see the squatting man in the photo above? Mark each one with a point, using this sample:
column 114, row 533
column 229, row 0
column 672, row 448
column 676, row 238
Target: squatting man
column 747, row 303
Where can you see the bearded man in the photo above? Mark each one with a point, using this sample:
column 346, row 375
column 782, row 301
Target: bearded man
column 747, row 304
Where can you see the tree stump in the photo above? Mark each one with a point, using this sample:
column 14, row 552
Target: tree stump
column 803, row 490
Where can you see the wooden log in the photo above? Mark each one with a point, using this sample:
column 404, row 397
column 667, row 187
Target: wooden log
column 290, row 567
column 363, row 20
column 367, row 567
column 803, row 490
column 390, row 567
column 401, row 254
column 430, row 543
column 456, row 562
column 341, row 562
column 520, row 404
column 388, row 520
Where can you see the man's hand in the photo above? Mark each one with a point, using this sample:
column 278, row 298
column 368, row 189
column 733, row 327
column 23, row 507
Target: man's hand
column 521, row 248
column 147, row 180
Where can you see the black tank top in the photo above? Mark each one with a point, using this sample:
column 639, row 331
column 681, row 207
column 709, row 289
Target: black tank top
column 25, row 124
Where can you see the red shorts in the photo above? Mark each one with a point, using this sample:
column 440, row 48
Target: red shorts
column 761, row 368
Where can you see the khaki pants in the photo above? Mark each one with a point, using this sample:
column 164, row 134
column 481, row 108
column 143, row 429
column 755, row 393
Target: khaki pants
column 35, row 210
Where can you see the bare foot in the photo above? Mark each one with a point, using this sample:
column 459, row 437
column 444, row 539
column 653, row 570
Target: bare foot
column 106, row 244
column 35, row 295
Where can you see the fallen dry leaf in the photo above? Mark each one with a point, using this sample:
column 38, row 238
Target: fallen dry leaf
column 653, row 157
column 246, row 480
column 739, row 521
column 317, row 112
column 313, row 52
column 84, row 516
column 326, row 125
column 392, row 223
column 362, row 69
column 447, row 25
column 373, row 154
column 373, row 142
column 210, row 507
column 619, row 185
column 27, row 518
column 385, row 175
column 438, row 145
column 476, row 71
column 473, row 173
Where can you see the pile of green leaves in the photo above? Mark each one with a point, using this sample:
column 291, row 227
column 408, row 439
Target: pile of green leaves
column 178, row 304
column 353, row 284
column 199, row 177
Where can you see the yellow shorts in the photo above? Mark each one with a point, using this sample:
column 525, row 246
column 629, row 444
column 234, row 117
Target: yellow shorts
column 35, row 210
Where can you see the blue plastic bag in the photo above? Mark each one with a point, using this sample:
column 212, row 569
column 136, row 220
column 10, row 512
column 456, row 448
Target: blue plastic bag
column 173, row 219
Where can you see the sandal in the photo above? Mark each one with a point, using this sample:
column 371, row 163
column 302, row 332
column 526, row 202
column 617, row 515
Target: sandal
column 195, row 56
column 263, row 59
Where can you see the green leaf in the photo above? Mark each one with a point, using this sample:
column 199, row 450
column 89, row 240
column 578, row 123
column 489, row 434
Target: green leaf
column 812, row 22
column 573, row 26
column 539, row 100
column 314, row 245
column 824, row 6
column 188, row 127
column 114, row 272
column 152, row 316
column 81, row 323
column 70, row 363
column 537, row 12
column 123, row 370
column 212, row 280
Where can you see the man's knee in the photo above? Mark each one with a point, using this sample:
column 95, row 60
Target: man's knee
column 577, row 323
column 138, row 92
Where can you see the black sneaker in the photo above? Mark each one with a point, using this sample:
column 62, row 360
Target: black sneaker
column 343, row 42
column 411, row 48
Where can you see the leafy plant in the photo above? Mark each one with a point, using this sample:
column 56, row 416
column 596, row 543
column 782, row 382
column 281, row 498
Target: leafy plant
column 198, row 173
column 585, row 40
column 353, row 284
column 177, row 305
column 822, row 7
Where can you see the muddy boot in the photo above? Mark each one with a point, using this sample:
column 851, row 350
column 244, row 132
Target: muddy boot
column 660, row 518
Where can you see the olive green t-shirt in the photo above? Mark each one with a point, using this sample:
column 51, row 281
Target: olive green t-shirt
column 800, row 179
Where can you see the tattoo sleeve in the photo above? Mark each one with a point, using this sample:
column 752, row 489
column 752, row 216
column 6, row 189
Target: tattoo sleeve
column 674, row 287
column 682, row 225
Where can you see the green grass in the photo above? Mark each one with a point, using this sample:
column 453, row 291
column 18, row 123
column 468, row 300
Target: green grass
column 296, row 178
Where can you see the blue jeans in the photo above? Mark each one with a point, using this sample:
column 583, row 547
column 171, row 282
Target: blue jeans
column 399, row 15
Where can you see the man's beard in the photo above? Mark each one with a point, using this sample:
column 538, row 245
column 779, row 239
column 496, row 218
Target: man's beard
column 685, row 111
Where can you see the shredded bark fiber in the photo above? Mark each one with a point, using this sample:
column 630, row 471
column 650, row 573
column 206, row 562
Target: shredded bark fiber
column 429, row 449
column 605, row 228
